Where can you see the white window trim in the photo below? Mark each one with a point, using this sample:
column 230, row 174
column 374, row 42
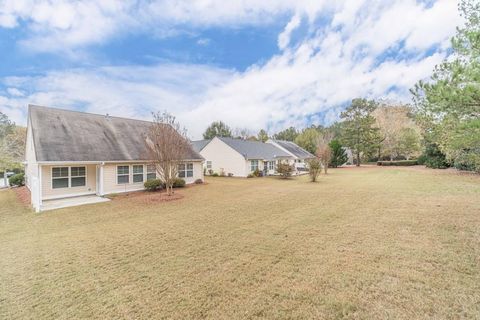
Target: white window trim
column 257, row 166
column 147, row 172
column 186, row 170
column 143, row 174
column 69, row 177
column 129, row 173
column 209, row 165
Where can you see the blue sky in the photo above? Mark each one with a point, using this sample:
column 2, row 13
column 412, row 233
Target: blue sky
column 268, row 64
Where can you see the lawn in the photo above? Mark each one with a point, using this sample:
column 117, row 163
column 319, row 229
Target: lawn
column 369, row 243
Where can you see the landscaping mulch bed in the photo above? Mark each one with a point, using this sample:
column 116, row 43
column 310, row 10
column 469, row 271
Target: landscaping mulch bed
column 23, row 195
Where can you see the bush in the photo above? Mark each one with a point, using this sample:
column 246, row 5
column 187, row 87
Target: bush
column 214, row 174
column 284, row 169
column 256, row 173
column 250, row 175
column 17, row 179
column 210, row 171
column 179, row 183
column 314, row 168
column 152, row 185
column 339, row 155
column 434, row 158
column 397, row 163
column 198, row 181
column 230, row 175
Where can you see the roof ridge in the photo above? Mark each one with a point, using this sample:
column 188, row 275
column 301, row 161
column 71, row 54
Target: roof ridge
column 87, row 113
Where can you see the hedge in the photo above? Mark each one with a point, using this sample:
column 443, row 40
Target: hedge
column 397, row 163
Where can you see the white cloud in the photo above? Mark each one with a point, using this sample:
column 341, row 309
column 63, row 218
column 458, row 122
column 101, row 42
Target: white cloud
column 372, row 49
column 284, row 37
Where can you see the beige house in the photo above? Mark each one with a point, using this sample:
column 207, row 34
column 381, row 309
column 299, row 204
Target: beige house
column 239, row 157
column 73, row 154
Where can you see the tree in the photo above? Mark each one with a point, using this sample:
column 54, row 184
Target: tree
column 408, row 143
column 360, row 134
column 262, row 135
column 244, row 134
column 6, row 126
column 448, row 105
column 324, row 153
column 288, row 134
column 314, row 168
column 284, row 169
column 217, row 129
column 339, row 156
column 307, row 139
column 167, row 145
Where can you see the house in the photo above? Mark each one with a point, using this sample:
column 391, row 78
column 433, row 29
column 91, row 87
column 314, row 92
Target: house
column 239, row 157
column 72, row 154
column 298, row 154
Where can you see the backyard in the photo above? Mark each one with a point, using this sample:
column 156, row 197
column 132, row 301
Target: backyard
column 372, row 243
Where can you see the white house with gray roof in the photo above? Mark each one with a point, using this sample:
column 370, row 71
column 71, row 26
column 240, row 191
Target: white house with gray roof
column 299, row 155
column 239, row 157
column 72, row 154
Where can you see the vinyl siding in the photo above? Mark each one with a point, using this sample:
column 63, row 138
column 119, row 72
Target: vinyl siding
column 223, row 157
column 49, row 193
column 110, row 177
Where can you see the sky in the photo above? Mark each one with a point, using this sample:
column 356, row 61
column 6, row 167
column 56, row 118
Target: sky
column 253, row 64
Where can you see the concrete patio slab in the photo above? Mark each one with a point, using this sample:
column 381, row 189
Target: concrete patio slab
column 71, row 202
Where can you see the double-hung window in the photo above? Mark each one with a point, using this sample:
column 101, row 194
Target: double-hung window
column 151, row 172
column 123, row 174
column 253, row 165
column 137, row 173
column 60, row 177
column 185, row 170
column 69, row 177
column 78, row 176
column 209, row 165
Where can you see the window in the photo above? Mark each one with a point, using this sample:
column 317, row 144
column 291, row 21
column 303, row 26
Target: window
column 60, row 177
column 209, row 164
column 137, row 173
column 151, row 172
column 185, row 170
column 271, row 165
column 123, row 174
column 78, row 177
column 253, row 165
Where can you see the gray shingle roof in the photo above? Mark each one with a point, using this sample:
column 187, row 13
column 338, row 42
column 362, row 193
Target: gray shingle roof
column 294, row 149
column 255, row 149
column 200, row 144
column 62, row 135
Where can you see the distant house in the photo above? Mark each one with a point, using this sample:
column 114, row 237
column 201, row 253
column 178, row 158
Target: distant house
column 239, row 157
column 298, row 154
column 71, row 154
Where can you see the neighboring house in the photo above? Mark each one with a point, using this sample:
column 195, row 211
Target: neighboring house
column 239, row 157
column 299, row 155
column 71, row 154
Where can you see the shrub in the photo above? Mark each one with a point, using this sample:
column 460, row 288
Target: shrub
column 250, row 175
column 152, row 185
column 230, row 175
column 397, row 163
column 214, row 174
column 314, row 168
column 198, row 181
column 284, row 169
column 179, row 183
column 256, row 173
column 17, row 179
column 434, row 158
column 210, row 171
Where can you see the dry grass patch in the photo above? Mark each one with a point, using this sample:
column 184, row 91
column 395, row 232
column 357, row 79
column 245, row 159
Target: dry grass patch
column 371, row 243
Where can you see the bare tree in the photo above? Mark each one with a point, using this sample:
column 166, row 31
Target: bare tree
column 167, row 145
column 324, row 152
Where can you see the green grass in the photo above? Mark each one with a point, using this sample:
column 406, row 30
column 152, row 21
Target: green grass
column 368, row 243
